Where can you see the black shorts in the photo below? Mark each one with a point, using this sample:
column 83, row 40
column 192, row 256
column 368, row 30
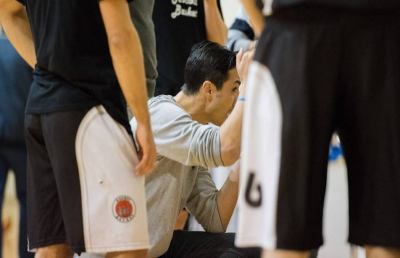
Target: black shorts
column 317, row 71
column 93, row 208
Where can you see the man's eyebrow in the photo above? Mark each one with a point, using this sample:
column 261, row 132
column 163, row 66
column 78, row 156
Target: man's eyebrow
column 238, row 82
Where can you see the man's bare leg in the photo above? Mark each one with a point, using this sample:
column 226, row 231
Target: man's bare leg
column 285, row 254
column 54, row 251
column 128, row 254
column 380, row 252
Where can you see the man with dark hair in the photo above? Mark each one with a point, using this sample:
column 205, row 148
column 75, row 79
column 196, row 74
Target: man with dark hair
column 207, row 61
column 83, row 194
column 193, row 132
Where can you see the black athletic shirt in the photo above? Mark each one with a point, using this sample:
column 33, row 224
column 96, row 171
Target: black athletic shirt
column 348, row 4
column 74, row 68
column 179, row 24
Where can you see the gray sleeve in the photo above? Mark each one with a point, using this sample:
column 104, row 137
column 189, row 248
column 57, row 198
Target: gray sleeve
column 180, row 138
column 202, row 203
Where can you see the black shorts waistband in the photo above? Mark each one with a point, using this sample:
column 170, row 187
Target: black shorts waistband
column 327, row 14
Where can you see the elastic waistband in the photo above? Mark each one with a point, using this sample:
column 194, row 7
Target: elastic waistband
column 308, row 13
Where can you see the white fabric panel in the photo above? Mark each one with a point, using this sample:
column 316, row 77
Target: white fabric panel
column 261, row 148
column 113, row 197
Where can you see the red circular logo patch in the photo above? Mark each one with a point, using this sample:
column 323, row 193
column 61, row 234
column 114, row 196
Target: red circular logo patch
column 124, row 208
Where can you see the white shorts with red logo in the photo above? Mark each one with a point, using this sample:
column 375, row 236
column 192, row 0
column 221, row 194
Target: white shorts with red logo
column 81, row 183
column 113, row 197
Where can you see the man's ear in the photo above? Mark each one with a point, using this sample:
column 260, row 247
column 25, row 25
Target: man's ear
column 208, row 89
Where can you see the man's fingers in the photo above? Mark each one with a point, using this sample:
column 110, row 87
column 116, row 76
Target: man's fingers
column 146, row 164
column 248, row 55
column 147, row 149
column 239, row 56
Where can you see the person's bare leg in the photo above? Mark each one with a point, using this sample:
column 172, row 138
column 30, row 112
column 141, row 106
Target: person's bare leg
column 285, row 254
column 54, row 251
column 128, row 254
column 381, row 252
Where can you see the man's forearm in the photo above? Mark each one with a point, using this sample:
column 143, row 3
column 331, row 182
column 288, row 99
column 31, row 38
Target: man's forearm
column 228, row 195
column 128, row 63
column 231, row 132
column 16, row 25
column 255, row 16
column 231, row 129
column 215, row 26
column 127, row 57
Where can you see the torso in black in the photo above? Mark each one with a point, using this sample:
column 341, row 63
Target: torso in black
column 179, row 24
column 74, row 68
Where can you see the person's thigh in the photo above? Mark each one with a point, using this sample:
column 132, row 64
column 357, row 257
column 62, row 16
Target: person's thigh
column 288, row 122
column 380, row 252
column 370, row 127
column 203, row 244
column 45, row 223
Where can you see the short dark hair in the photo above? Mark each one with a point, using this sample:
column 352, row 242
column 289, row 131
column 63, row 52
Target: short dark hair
column 207, row 61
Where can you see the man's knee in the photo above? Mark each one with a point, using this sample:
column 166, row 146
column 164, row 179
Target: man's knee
column 54, row 251
column 382, row 252
column 128, row 254
column 285, row 254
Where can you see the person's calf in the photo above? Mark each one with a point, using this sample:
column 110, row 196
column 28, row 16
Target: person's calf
column 381, row 252
column 285, row 254
column 54, row 251
column 128, row 254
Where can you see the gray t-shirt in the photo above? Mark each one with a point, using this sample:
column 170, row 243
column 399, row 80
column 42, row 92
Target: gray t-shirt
column 181, row 179
column 142, row 12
